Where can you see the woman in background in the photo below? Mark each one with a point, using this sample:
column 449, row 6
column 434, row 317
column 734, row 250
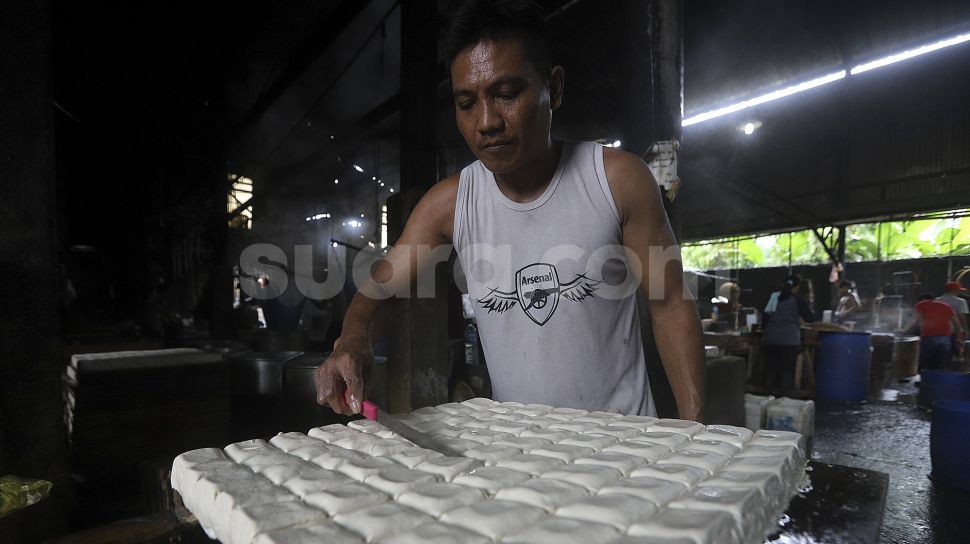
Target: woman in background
column 783, row 336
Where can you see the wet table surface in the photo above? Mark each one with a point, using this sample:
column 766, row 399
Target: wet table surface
column 844, row 505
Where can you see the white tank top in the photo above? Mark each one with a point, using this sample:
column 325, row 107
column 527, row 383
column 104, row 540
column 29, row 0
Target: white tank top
column 556, row 309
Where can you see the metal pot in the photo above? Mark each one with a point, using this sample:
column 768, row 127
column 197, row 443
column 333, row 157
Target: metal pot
column 298, row 385
column 259, row 373
column 299, row 398
column 256, row 382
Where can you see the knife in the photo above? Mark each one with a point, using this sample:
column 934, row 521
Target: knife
column 423, row 440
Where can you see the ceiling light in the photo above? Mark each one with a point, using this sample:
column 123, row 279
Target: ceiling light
column 749, row 127
column 336, row 181
column 334, row 244
column 374, row 178
column 357, row 168
column 910, row 53
column 616, row 143
column 774, row 95
column 392, row 189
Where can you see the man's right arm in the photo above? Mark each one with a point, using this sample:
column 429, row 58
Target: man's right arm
column 349, row 367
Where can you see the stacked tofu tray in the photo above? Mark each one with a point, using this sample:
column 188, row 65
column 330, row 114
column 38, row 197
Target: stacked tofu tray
column 527, row 473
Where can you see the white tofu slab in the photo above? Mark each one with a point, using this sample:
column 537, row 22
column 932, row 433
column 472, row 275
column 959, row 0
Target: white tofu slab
column 529, row 473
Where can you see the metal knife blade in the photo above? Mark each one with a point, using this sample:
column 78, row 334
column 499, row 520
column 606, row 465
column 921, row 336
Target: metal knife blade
column 422, row 440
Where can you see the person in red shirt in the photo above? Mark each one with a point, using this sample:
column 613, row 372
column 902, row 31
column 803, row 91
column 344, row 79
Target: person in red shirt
column 937, row 321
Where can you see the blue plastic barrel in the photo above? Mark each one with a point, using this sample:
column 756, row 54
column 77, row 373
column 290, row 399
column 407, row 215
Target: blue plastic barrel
column 842, row 362
column 950, row 443
column 937, row 385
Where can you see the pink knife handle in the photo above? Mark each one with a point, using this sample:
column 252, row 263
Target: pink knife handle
column 367, row 408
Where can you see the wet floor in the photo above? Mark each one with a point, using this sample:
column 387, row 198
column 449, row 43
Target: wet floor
column 892, row 435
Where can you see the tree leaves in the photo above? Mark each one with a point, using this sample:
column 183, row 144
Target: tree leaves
column 887, row 241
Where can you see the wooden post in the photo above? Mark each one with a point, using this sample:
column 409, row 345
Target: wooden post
column 418, row 363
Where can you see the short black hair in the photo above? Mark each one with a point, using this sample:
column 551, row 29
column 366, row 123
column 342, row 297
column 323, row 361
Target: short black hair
column 925, row 296
column 475, row 21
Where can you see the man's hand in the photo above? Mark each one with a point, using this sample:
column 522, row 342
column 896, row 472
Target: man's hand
column 349, row 368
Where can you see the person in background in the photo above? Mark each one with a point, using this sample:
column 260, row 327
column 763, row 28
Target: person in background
column 880, row 309
column 783, row 336
column 725, row 308
column 937, row 321
column 849, row 302
column 951, row 297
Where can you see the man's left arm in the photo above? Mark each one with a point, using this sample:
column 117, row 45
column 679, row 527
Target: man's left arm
column 647, row 233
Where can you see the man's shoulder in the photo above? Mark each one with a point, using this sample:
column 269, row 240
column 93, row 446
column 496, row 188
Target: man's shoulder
column 630, row 180
column 435, row 211
column 446, row 190
column 623, row 163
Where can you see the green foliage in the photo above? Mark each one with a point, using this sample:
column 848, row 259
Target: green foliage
column 888, row 240
column 862, row 242
column 750, row 254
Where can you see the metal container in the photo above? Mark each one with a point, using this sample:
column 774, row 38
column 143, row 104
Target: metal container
column 906, row 356
column 298, row 384
column 256, row 383
column 259, row 373
column 299, row 408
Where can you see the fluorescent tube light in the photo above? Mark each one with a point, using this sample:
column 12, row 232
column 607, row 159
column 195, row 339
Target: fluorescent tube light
column 922, row 50
column 775, row 95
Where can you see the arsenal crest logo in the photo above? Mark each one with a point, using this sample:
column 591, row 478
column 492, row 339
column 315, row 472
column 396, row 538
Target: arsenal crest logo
column 537, row 292
column 537, row 286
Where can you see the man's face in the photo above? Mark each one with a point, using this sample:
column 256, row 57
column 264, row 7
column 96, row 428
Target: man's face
column 502, row 105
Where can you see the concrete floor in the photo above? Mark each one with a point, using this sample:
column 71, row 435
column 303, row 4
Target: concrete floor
column 892, row 435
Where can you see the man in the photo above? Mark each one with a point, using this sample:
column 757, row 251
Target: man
column 951, row 297
column 538, row 225
column 937, row 321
